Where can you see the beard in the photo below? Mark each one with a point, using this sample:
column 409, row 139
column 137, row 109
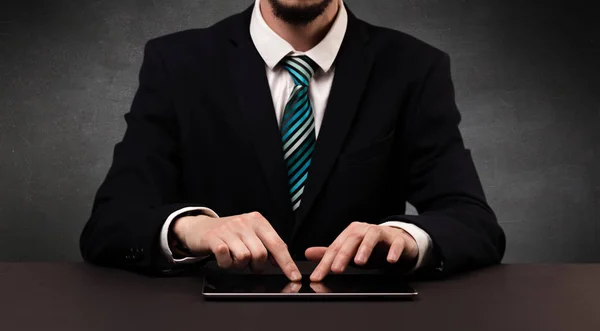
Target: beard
column 299, row 15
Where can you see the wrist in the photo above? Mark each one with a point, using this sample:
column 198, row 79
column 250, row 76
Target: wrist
column 181, row 230
column 177, row 237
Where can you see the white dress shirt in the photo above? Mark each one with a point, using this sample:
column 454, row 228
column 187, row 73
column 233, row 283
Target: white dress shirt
column 272, row 48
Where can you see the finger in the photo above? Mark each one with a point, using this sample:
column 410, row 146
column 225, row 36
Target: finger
column 258, row 252
column 371, row 239
column 238, row 250
column 346, row 253
column 219, row 248
column 396, row 249
column 279, row 250
column 315, row 253
column 325, row 265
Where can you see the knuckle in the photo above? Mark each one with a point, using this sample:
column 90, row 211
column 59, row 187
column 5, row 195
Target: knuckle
column 243, row 256
column 221, row 249
column 335, row 249
column 344, row 254
column 281, row 245
column 278, row 244
column 354, row 235
column 267, row 230
column 255, row 215
column 261, row 255
column 377, row 230
column 356, row 225
column 246, row 255
column 289, row 265
column 263, row 224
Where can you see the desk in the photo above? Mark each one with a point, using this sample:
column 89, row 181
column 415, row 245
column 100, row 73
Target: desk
column 77, row 296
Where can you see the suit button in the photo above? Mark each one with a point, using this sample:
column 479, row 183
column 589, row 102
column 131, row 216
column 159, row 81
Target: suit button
column 135, row 254
column 138, row 254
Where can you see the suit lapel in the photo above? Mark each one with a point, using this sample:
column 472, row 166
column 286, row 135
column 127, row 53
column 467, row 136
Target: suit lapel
column 352, row 68
column 251, row 86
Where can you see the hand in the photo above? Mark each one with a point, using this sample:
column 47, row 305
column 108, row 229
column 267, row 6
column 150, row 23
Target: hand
column 357, row 242
column 237, row 241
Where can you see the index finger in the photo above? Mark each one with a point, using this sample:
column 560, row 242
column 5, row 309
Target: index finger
column 279, row 250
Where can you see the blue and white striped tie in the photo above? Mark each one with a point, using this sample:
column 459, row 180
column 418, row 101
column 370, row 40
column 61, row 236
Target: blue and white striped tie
column 298, row 126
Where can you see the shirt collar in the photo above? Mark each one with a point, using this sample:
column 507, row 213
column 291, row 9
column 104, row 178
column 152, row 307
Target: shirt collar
column 272, row 48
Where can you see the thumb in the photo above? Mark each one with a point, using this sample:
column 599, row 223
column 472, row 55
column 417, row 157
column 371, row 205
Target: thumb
column 315, row 253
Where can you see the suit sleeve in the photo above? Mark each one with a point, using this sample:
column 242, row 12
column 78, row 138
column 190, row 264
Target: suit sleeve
column 442, row 182
column 143, row 185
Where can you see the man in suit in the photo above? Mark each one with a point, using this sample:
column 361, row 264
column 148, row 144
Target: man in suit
column 293, row 130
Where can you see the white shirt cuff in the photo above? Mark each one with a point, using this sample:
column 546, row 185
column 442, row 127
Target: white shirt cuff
column 164, row 233
column 423, row 240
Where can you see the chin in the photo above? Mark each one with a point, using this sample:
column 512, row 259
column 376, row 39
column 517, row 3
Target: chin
column 299, row 12
column 298, row 3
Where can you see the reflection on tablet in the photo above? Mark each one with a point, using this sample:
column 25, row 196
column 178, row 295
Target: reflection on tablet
column 292, row 287
column 233, row 285
column 320, row 288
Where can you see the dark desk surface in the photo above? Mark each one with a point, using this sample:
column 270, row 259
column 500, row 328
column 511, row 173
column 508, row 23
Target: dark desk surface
column 76, row 296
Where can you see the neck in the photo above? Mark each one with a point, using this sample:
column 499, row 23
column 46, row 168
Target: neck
column 302, row 38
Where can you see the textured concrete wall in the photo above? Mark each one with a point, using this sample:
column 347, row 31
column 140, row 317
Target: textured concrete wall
column 526, row 73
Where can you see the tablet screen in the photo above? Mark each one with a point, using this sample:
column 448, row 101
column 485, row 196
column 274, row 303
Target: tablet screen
column 351, row 285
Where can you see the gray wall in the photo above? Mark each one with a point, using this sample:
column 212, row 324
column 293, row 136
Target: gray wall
column 526, row 72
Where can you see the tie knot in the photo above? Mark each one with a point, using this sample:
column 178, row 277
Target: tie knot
column 302, row 68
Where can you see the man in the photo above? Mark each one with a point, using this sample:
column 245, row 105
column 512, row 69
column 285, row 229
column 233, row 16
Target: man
column 293, row 130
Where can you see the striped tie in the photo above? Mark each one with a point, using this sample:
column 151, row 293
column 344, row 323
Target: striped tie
column 298, row 126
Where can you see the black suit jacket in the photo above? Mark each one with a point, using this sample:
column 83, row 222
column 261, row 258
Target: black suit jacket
column 202, row 132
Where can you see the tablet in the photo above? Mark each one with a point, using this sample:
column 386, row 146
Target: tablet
column 347, row 286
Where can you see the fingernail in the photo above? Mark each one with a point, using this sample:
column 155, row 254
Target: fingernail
column 296, row 276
